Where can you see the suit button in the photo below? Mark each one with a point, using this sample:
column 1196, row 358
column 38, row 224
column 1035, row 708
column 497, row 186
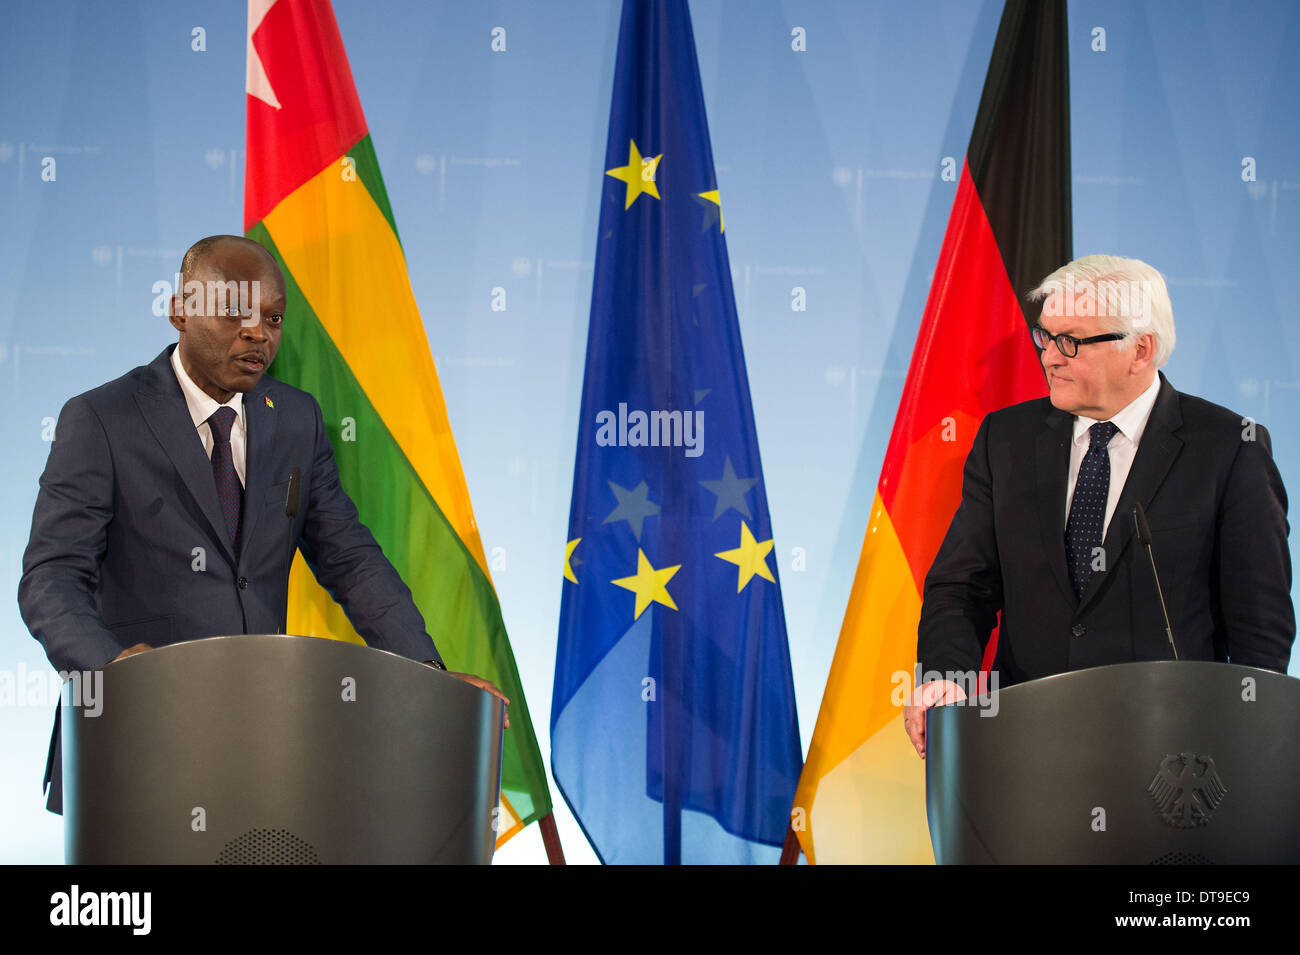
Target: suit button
column 1078, row 629
column 243, row 583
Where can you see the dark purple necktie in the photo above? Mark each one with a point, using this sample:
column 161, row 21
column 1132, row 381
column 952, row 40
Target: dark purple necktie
column 1088, row 507
column 229, row 491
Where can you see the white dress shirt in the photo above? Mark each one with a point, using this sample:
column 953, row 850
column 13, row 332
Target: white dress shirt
column 1131, row 421
column 202, row 406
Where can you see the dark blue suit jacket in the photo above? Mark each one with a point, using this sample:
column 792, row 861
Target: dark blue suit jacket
column 1217, row 510
column 128, row 543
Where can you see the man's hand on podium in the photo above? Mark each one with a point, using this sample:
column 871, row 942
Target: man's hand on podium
column 934, row 693
column 482, row 684
column 131, row 651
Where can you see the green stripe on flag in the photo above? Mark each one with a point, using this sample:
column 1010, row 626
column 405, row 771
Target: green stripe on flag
column 363, row 154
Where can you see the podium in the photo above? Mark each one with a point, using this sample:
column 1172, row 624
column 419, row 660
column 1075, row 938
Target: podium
column 1137, row 763
column 264, row 749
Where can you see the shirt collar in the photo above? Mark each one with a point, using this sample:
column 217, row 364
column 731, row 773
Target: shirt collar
column 201, row 405
column 1131, row 419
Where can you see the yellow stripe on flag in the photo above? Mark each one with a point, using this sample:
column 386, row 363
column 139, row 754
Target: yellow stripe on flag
column 870, row 808
column 852, row 746
column 312, row 611
column 349, row 265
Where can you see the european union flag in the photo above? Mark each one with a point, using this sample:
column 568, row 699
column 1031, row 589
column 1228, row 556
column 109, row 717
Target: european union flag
column 674, row 736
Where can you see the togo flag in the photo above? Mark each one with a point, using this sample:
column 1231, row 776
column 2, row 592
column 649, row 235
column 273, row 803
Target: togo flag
column 313, row 196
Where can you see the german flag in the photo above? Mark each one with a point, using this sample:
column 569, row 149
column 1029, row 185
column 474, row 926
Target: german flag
column 313, row 196
column 861, row 797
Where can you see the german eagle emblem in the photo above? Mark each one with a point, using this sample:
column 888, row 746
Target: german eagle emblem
column 1187, row 789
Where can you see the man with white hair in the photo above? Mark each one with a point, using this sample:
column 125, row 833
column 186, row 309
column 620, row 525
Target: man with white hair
column 1045, row 535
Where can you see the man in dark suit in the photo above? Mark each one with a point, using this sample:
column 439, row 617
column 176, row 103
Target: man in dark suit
column 161, row 511
column 1045, row 535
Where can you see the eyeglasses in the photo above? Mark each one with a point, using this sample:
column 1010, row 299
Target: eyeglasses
column 1068, row 345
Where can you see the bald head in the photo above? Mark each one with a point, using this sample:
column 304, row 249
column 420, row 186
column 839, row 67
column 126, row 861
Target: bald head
column 221, row 248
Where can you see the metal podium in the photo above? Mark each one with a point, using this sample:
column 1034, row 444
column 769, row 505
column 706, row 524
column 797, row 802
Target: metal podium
column 1139, row 763
column 280, row 749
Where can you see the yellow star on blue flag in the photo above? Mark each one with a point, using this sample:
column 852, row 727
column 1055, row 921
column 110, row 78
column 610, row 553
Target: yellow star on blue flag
column 639, row 174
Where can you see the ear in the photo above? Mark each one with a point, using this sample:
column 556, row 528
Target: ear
column 1144, row 352
column 176, row 312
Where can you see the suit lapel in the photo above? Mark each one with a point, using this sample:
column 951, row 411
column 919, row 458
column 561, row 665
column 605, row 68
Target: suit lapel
column 261, row 420
column 162, row 404
column 1052, row 463
column 1155, row 456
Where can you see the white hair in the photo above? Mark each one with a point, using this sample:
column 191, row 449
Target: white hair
column 1132, row 296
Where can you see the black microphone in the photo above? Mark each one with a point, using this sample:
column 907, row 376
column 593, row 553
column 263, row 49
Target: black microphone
column 1144, row 537
column 291, row 501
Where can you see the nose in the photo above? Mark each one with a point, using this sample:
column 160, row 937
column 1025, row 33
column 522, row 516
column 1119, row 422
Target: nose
column 1052, row 355
column 251, row 328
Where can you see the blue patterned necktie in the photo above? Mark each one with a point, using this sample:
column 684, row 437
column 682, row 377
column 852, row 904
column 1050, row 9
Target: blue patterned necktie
column 1088, row 507
column 229, row 491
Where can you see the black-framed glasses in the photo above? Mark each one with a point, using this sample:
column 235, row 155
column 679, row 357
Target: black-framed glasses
column 1068, row 345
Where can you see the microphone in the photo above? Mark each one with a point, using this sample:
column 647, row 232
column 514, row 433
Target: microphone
column 1144, row 537
column 291, row 501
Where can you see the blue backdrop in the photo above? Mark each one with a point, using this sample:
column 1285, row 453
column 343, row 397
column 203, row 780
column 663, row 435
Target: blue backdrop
column 828, row 162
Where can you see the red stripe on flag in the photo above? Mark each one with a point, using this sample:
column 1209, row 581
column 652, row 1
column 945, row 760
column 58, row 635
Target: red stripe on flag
column 320, row 115
column 973, row 355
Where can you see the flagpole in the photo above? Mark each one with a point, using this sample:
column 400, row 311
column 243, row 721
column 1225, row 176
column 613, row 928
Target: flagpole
column 672, row 756
column 790, row 850
column 551, row 839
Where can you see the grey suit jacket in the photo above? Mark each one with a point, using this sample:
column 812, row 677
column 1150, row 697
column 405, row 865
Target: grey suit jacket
column 128, row 544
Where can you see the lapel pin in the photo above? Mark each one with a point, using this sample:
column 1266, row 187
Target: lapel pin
column 269, row 402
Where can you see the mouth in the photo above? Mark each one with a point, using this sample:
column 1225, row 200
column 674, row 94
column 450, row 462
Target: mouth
column 253, row 362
